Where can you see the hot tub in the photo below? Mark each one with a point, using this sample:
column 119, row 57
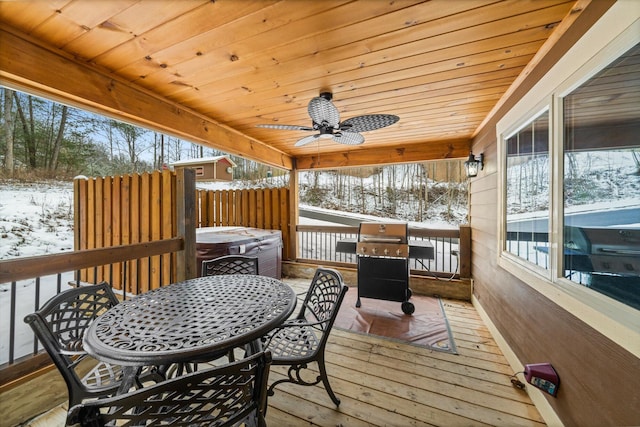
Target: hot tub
column 214, row 242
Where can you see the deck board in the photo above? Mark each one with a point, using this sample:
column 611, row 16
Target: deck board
column 386, row 383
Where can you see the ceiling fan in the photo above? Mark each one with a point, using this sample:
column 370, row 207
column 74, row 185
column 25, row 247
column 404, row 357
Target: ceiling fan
column 326, row 121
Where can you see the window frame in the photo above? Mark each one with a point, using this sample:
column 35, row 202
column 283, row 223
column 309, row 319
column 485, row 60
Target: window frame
column 543, row 106
column 616, row 32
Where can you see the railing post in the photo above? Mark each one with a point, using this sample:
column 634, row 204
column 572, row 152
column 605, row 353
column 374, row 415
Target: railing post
column 293, row 214
column 465, row 251
column 186, row 222
column 80, row 215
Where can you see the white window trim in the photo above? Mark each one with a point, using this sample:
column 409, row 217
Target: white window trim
column 617, row 31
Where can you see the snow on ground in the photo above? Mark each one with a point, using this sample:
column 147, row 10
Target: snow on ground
column 35, row 218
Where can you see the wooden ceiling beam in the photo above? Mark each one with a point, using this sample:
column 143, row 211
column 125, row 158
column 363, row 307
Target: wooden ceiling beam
column 440, row 150
column 27, row 66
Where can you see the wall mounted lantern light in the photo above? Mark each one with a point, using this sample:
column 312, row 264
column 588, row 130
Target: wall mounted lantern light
column 473, row 165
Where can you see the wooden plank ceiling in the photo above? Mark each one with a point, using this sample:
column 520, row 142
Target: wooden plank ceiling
column 210, row 71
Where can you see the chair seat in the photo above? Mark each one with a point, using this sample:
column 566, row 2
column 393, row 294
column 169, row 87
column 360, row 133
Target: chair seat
column 295, row 342
column 103, row 376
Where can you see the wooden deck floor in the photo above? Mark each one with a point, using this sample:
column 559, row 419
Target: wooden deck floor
column 385, row 383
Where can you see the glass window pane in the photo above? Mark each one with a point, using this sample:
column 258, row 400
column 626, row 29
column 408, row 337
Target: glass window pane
column 602, row 181
column 527, row 188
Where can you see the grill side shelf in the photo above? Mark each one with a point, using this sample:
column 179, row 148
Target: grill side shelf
column 346, row 245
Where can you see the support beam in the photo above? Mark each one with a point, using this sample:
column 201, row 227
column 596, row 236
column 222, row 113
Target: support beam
column 29, row 67
column 186, row 218
column 441, row 150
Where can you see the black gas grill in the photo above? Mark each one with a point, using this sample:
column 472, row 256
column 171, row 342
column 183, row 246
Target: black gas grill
column 382, row 254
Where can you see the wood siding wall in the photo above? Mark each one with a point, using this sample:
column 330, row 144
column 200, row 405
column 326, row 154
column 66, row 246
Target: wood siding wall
column 122, row 210
column 596, row 374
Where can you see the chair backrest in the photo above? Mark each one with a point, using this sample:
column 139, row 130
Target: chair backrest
column 219, row 396
column 60, row 326
column 324, row 297
column 230, row 264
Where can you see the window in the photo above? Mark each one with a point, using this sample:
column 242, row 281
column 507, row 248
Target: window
column 588, row 262
column 571, row 186
column 601, row 163
column 527, row 192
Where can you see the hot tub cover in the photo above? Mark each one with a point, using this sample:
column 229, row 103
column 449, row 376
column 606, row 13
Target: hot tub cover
column 214, row 242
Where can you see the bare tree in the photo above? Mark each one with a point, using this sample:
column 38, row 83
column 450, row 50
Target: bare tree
column 53, row 163
column 636, row 159
column 28, row 128
column 8, row 131
column 131, row 135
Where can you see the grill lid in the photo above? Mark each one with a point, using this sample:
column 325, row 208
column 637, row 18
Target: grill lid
column 383, row 233
column 379, row 239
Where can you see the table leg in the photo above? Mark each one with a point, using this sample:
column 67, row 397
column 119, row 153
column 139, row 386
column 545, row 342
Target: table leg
column 129, row 375
column 253, row 347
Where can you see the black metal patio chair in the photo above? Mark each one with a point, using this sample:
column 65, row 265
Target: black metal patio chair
column 60, row 326
column 226, row 395
column 302, row 340
column 230, row 264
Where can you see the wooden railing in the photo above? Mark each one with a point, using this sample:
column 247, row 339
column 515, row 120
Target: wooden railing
column 118, row 247
column 452, row 248
column 33, row 281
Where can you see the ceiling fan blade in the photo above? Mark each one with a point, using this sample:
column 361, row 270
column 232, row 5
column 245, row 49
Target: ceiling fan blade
column 306, row 140
column 284, row 127
column 348, row 138
column 321, row 110
column 368, row 122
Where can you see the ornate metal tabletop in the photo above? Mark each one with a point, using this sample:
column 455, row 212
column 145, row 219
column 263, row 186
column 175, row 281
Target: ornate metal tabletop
column 190, row 320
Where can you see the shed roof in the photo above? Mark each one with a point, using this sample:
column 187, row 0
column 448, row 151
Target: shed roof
column 204, row 161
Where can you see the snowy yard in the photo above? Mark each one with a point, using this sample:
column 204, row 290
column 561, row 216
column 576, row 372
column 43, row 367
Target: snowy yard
column 35, row 218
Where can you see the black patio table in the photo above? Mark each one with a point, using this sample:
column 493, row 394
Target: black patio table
column 195, row 320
